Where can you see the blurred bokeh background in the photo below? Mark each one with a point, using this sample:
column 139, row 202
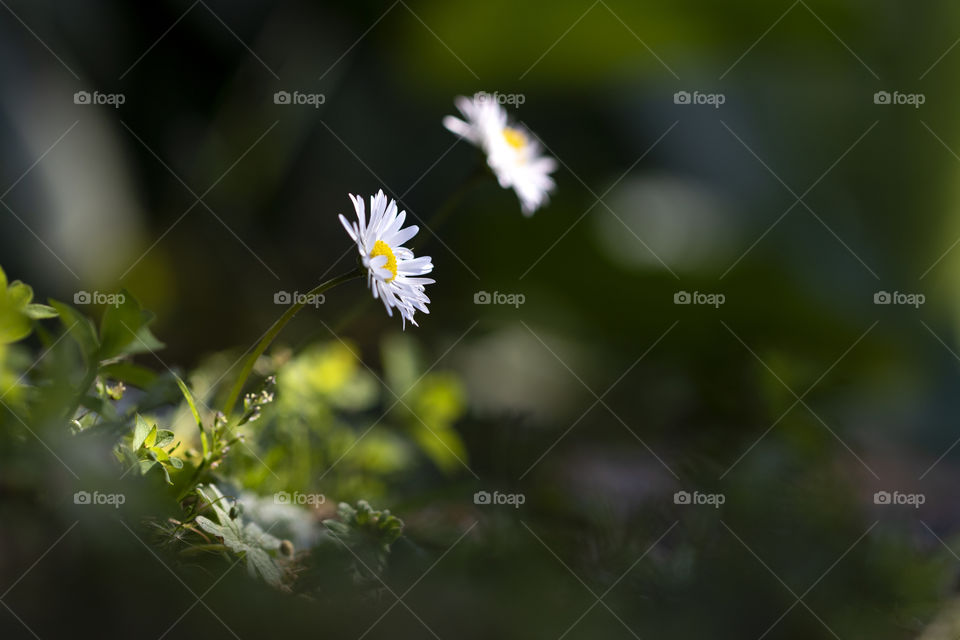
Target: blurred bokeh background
column 798, row 199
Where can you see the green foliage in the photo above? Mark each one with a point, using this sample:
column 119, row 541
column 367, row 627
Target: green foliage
column 428, row 405
column 357, row 428
column 124, row 329
column 329, row 373
column 18, row 311
column 245, row 539
column 153, row 447
column 368, row 532
column 81, row 388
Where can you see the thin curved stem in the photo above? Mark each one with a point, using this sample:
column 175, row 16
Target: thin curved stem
column 275, row 330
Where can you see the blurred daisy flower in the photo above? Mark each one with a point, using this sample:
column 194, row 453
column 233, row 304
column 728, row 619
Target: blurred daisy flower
column 512, row 152
column 392, row 271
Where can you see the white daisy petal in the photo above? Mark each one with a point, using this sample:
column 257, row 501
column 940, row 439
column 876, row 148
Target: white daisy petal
column 358, row 205
column 513, row 153
column 390, row 230
column 349, row 226
column 416, row 266
column 459, row 127
column 400, row 237
column 391, row 268
column 390, row 215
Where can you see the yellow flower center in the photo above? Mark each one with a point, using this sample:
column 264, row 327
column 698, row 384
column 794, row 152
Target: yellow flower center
column 514, row 137
column 381, row 248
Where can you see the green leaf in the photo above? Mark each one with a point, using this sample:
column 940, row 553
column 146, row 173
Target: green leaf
column 129, row 373
column 19, row 294
column 442, row 445
column 193, row 406
column 123, row 329
column 140, row 432
column 164, row 438
column 246, row 540
column 367, row 531
column 346, row 512
column 337, row 527
column 13, row 324
column 79, row 327
column 17, row 311
column 151, row 438
column 119, row 325
column 94, row 403
column 148, row 445
column 40, row 311
column 145, row 342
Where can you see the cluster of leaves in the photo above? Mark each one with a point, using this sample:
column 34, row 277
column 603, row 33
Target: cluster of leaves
column 246, row 539
column 368, row 532
column 91, row 385
column 153, row 447
column 18, row 311
column 334, row 416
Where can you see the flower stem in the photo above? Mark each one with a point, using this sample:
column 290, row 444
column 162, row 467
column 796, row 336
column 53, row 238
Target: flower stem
column 275, row 330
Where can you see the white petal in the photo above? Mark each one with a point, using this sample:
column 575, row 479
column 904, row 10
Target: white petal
column 349, row 226
column 402, row 236
column 417, row 266
column 460, row 128
column 358, row 205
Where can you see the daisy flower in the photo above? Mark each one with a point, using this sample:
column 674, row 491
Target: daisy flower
column 392, row 271
column 512, row 153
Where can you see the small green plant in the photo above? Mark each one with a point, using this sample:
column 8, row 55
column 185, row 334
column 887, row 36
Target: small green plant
column 245, row 539
column 93, row 385
column 320, row 422
column 369, row 532
column 153, row 448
